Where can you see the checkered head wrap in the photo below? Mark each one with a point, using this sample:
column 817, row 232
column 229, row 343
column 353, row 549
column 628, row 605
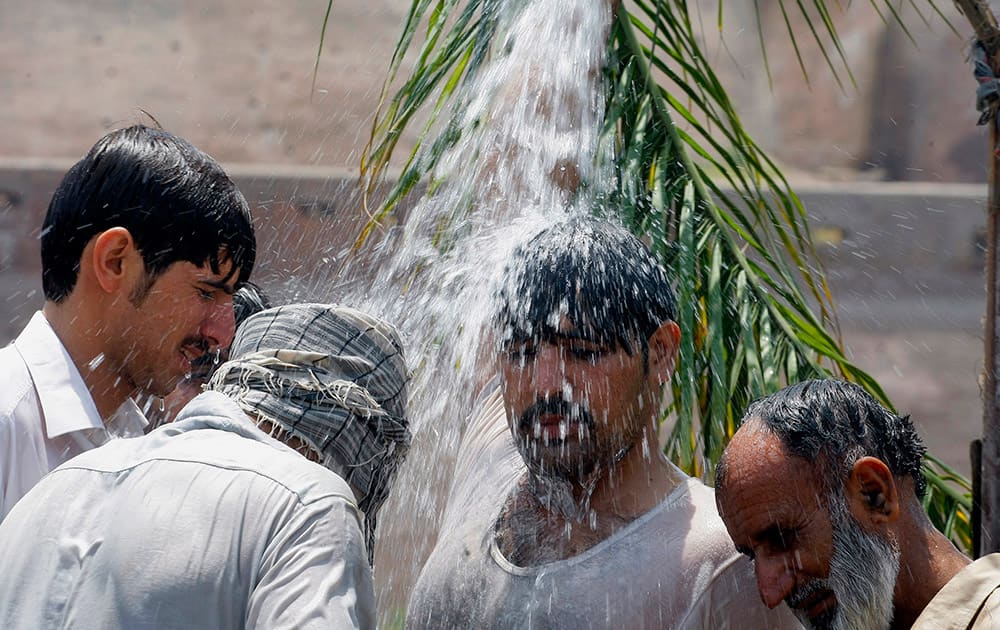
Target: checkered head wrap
column 335, row 378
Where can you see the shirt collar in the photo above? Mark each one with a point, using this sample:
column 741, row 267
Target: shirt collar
column 66, row 403
column 212, row 410
column 962, row 596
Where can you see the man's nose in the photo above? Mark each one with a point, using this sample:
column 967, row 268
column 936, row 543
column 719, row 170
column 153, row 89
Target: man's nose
column 220, row 326
column 550, row 372
column 775, row 579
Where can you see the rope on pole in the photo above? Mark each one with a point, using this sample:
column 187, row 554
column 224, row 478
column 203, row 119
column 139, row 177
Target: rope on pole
column 988, row 92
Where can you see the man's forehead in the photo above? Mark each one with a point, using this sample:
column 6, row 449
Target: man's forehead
column 761, row 473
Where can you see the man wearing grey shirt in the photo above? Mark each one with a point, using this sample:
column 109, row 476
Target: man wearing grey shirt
column 563, row 512
column 215, row 521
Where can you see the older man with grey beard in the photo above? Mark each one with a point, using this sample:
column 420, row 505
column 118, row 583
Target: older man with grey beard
column 821, row 487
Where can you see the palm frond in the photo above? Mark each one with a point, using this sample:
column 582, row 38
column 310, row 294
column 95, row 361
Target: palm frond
column 757, row 312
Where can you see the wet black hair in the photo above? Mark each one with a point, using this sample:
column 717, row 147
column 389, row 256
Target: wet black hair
column 834, row 424
column 176, row 202
column 249, row 300
column 595, row 271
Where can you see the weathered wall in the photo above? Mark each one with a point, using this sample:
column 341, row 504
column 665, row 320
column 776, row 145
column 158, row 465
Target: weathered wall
column 910, row 114
column 232, row 76
column 235, row 78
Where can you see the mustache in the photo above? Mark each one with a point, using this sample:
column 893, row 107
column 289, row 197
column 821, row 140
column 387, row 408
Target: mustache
column 204, row 364
column 798, row 597
column 574, row 412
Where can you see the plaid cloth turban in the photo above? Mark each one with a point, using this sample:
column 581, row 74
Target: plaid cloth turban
column 335, row 378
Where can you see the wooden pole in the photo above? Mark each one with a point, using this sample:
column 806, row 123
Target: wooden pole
column 984, row 24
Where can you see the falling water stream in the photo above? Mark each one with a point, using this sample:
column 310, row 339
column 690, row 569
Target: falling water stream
column 531, row 117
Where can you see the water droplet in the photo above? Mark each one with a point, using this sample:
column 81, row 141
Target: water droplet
column 187, row 376
column 96, row 361
column 163, row 404
column 218, row 355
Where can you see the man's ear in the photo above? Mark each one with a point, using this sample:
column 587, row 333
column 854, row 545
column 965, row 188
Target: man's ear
column 113, row 258
column 872, row 494
column 663, row 351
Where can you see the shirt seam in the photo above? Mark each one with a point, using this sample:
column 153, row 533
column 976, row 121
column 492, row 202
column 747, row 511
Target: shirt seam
column 683, row 489
column 250, row 471
column 8, row 413
column 716, row 575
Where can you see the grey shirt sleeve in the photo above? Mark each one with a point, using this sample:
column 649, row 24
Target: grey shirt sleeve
column 314, row 572
column 731, row 601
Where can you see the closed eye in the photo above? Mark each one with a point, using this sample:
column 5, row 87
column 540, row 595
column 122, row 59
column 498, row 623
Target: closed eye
column 587, row 352
column 779, row 538
column 584, row 354
column 520, row 355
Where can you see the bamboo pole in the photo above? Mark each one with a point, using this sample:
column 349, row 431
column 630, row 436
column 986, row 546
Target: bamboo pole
column 984, row 25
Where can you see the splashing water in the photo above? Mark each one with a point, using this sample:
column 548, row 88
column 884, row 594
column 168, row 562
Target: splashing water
column 526, row 159
column 94, row 363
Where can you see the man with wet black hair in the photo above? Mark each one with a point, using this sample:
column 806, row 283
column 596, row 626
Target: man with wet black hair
column 145, row 241
column 821, row 487
column 564, row 513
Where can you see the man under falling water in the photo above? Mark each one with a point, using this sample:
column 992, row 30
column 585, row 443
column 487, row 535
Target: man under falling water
column 564, row 513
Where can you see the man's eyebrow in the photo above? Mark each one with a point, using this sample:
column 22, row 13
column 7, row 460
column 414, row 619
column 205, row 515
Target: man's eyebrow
column 774, row 535
column 218, row 284
column 577, row 334
column 555, row 336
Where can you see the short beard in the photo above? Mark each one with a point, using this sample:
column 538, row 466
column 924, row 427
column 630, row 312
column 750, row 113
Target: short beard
column 863, row 573
column 564, row 473
column 572, row 459
column 141, row 290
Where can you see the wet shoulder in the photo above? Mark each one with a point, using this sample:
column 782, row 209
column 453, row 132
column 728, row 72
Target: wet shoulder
column 691, row 515
column 207, row 449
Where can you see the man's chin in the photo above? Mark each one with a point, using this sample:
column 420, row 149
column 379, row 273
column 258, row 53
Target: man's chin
column 565, row 460
column 826, row 620
column 165, row 386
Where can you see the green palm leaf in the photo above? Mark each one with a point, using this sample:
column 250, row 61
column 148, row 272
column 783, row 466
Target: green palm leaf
column 756, row 310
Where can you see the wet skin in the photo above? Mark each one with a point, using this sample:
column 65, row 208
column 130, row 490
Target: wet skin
column 772, row 506
column 573, row 399
column 186, row 313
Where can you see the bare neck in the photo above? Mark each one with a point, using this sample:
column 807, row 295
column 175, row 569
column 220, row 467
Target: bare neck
column 82, row 336
column 928, row 561
column 637, row 483
column 529, row 534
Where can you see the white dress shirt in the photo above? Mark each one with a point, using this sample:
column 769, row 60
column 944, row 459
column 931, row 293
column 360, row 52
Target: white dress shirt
column 204, row 523
column 47, row 415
